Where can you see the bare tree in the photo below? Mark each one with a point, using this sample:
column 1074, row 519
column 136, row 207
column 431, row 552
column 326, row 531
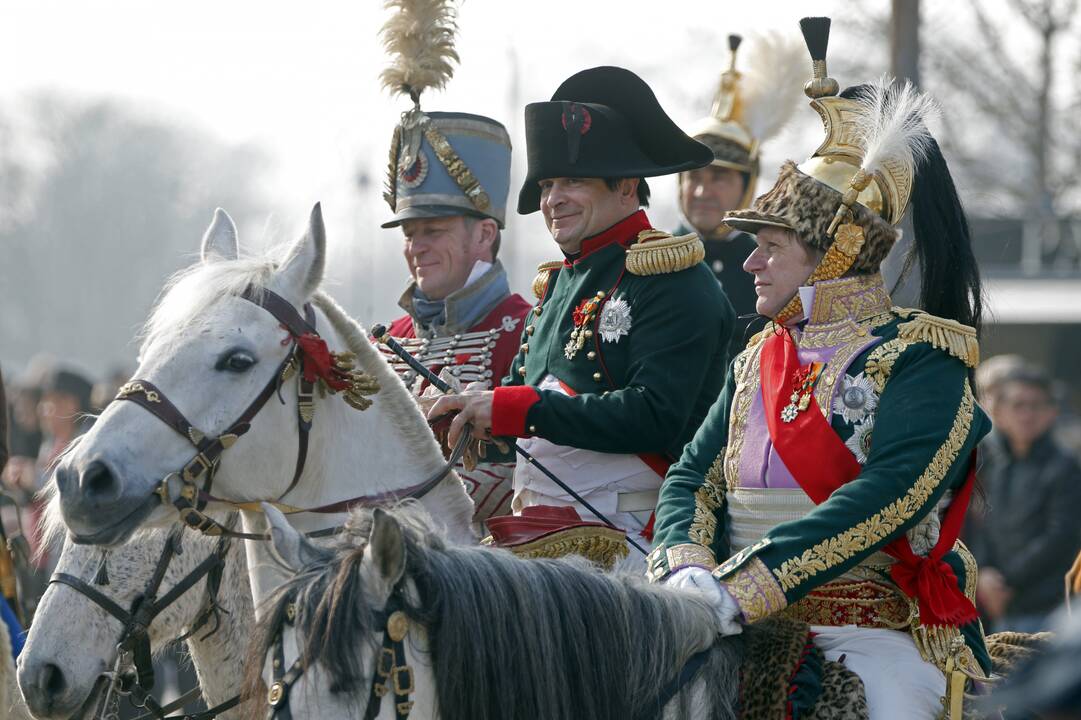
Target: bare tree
column 118, row 202
column 995, row 82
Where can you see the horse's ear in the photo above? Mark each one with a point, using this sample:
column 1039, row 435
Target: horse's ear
column 220, row 241
column 387, row 547
column 301, row 272
column 291, row 549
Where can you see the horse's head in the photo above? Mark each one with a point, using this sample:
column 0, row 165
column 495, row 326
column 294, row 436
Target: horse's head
column 74, row 638
column 344, row 612
column 209, row 352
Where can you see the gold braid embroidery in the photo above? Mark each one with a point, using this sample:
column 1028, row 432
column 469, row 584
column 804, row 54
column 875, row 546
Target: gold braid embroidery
column 745, row 370
column 754, row 589
column 461, row 174
column 971, row 569
column 835, row 550
column 707, row 500
column 880, row 362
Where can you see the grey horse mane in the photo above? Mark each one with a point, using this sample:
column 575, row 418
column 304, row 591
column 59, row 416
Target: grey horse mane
column 510, row 639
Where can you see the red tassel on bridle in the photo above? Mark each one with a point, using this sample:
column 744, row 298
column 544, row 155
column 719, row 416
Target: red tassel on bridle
column 318, row 362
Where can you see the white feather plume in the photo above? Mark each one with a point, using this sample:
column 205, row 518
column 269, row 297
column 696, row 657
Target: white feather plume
column 892, row 126
column 419, row 36
column 773, row 68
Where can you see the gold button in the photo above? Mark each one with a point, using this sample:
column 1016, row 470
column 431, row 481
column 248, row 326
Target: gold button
column 529, row 330
column 597, row 376
column 591, row 355
column 525, row 347
column 532, row 429
column 537, row 310
column 521, row 371
column 588, row 333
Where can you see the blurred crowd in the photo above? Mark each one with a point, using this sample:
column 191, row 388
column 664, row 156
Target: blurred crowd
column 48, row 406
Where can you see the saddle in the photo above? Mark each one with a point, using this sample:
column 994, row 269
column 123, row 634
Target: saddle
column 547, row 531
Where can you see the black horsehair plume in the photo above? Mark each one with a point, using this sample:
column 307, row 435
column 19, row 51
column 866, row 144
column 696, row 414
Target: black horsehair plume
column 419, row 37
column 734, row 41
column 816, row 33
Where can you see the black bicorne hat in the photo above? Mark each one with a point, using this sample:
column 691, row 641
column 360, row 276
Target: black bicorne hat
column 603, row 123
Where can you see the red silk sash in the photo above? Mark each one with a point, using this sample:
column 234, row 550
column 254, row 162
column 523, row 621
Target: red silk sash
column 821, row 463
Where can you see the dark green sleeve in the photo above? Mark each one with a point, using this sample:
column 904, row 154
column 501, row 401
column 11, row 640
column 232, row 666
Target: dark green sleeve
column 926, row 427
column 680, row 337
column 690, row 522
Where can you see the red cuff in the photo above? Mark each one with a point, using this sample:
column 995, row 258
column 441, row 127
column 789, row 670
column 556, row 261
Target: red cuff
column 509, row 407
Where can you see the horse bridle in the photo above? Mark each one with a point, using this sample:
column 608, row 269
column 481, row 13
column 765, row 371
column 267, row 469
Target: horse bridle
column 311, row 361
column 392, row 675
column 134, row 640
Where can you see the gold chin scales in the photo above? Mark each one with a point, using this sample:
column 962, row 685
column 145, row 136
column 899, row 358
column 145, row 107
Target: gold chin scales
column 658, row 253
column 544, row 274
column 847, row 242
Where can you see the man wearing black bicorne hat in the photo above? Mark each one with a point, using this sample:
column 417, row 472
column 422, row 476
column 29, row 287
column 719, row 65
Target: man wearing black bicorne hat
column 625, row 350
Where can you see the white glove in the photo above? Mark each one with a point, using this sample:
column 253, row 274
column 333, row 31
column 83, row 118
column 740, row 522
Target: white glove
column 701, row 581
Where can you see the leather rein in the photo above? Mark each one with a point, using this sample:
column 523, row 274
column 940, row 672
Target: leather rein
column 192, row 499
column 133, row 646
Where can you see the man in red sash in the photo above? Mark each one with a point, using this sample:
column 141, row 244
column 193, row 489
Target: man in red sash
column 831, row 478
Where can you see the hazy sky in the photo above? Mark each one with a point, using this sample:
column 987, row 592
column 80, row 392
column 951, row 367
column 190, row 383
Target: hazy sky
column 301, row 81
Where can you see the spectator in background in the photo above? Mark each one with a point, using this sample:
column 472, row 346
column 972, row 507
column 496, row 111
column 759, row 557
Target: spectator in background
column 1027, row 535
column 989, row 376
column 62, row 412
column 105, row 390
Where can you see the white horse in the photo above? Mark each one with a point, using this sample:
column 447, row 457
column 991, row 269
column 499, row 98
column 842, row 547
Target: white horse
column 210, row 352
column 482, row 634
column 73, row 640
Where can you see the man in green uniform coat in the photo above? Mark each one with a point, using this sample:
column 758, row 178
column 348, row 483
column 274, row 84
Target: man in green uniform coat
column 831, row 477
column 625, row 350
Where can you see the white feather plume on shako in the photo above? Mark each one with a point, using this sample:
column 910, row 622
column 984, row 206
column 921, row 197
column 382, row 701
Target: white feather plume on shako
column 419, row 37
column 474, row 150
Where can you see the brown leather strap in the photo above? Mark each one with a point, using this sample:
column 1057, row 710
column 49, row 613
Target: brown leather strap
column 282, row 310
column 147, row 395
column 305, row 390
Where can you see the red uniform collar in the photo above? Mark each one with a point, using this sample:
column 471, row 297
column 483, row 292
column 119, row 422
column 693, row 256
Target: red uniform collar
column 623, row 232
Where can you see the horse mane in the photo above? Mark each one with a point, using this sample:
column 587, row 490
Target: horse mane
column 510, row 639
column 399, row 402
column 189, row 295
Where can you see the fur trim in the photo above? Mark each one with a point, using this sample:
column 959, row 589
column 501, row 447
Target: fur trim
column 807, row 206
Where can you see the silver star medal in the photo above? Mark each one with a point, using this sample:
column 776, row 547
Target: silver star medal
column 856, row 400
column 615, row 320
column 860, row 442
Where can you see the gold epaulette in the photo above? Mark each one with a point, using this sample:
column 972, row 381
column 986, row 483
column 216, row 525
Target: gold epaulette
column 659, row 253
column 948, row 335
column 544, row 272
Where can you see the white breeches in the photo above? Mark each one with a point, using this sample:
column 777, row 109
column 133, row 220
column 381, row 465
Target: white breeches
column 900, row 685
